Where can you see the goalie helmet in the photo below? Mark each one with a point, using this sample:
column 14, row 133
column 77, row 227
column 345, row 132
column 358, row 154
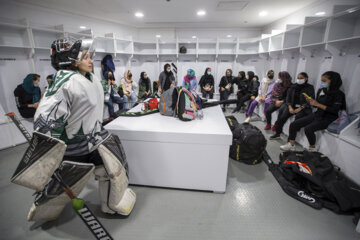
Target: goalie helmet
column 65, row 52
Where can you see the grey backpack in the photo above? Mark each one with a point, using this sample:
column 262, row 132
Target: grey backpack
column 168, row 100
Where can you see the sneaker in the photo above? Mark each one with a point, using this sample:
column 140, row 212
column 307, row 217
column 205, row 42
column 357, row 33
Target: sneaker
column 274, row 128
column 275, row 136
column 263, row 118
column 247, row 120
column 313, row 149
column 288, row 147
column 267, row 127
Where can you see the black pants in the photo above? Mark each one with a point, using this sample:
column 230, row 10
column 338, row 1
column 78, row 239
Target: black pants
column 205, row 93
column 242, row 98
column 224, row 95
column 310, row 124
column 284, row 115
column 272, row 108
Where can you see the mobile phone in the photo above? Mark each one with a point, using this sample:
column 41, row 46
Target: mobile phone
column 306, row 96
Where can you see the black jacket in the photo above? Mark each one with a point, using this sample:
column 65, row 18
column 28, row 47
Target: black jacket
column 242, row 84
column 207, row 79
column 253, row 88
column 295, row 95
column 225, row 81
column 22, row 99
column 334, row 102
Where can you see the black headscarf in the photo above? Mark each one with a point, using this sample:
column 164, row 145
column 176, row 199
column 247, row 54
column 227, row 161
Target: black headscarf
column 165, row 67
column 242, row 75
column 251, row 75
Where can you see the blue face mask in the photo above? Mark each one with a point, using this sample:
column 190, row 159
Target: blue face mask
column 324, row 85
column 209, row 73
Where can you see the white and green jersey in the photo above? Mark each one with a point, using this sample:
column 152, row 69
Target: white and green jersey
column 72, row 110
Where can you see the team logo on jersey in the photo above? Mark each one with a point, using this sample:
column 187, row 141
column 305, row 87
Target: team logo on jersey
column 60, row 78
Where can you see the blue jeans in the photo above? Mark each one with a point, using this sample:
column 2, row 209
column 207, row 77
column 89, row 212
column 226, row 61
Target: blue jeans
column 110, row 104
column 129, row 102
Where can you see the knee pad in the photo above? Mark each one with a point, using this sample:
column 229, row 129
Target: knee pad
column 50, row 202
column 115, row 195
column 41, row 159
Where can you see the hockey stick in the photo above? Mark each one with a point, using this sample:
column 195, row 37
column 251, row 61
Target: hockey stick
column 94, row 225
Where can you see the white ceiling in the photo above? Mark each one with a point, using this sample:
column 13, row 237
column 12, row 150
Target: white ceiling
column 178, row 13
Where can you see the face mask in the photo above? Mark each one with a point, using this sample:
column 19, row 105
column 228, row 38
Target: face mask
column 36, row 85
column 270, row 76
column 247, row 76
column 324, row 85
column 168, row 70
column 209, row 73
column 228, row 75
column 279, row 80
column 145, row 77
column 130, row 75
column 300, row 81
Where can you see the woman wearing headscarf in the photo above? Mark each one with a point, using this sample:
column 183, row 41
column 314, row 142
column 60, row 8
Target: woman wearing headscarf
column 278, row 96
column 295, row 104
column 144, row 86
column 226, row 86
column 250, row 92
column 329, row 101
column 207, row 84
column 265, row 89
column 27, row 95
column 111, row 95
column 166, row 79
column 242, row 82
column 128, row 86
column 190, row 81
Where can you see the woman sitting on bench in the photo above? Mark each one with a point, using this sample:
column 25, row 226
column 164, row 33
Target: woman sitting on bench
column 329, row 100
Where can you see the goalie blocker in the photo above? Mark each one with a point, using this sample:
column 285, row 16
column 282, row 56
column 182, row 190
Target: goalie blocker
column 41, row 159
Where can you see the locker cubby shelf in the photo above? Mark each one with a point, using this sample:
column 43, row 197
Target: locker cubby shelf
column 227, row 47
column 276, row 42
column 146, row 48
column 264, row 45
column 314, row 33
column 190, row 47
column 291, row 38
column 345, row 26
column 207, row 48
column 246, row 48
column 168, row 48
column 123, row 46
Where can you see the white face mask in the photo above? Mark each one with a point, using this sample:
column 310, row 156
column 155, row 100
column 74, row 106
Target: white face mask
column 209, row 73
column 168, row 70
column 300, row 81
column 279, row 80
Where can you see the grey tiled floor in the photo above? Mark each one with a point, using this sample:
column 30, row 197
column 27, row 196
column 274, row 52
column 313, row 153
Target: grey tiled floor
column 253, row 207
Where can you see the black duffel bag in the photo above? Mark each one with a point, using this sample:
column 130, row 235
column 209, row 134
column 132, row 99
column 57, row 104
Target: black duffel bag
column 248, row 144
column 232, row 122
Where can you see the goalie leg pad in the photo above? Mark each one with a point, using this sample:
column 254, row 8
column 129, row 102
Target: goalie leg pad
column 51, row 201
column 113, row 180
column 41, row 159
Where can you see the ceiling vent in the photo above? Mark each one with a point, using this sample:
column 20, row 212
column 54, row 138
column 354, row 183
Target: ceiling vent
column 231, row 5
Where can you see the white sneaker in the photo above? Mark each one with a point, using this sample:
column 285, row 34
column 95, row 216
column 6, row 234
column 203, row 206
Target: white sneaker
column 247, row 120
column 288, row 147
column 313, row 149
